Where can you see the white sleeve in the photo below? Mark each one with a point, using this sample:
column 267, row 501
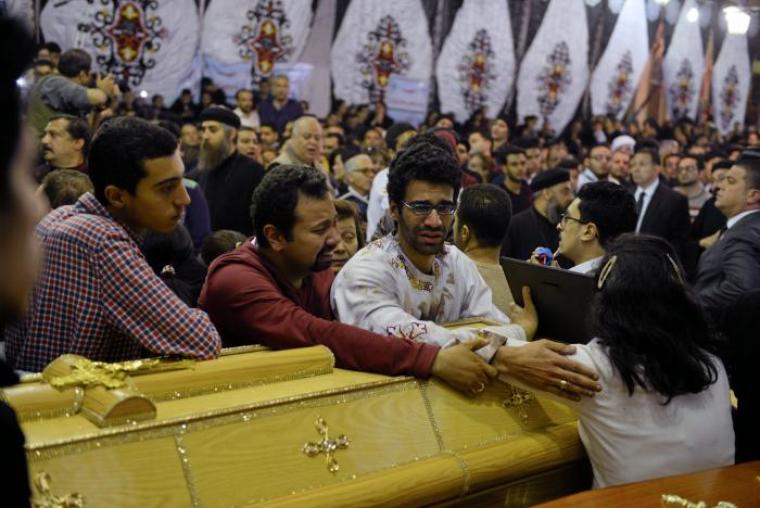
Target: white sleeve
column 364, row 295
column 378, row 197
column 582, row 355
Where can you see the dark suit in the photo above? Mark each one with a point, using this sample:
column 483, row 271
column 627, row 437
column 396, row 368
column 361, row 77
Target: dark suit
column 731, row 267
column 667, row 216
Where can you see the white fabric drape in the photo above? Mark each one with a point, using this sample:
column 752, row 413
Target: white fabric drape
column 617, row 74
column 378, row 39
column 554, row 72
column 148, row 44
column 732, row 77
column 240, row 36
column 683, row 66
column 477, row 62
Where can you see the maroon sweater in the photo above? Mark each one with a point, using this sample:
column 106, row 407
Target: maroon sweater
column 250, row 302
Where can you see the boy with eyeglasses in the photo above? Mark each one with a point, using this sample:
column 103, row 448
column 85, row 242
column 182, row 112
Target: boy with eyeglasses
column 408, row 284
column 601, row 212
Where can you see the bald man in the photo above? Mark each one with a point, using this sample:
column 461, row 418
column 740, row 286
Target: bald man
column 305, row 145
column 360, row 171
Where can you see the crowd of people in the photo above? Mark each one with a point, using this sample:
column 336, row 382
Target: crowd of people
column 179, row 230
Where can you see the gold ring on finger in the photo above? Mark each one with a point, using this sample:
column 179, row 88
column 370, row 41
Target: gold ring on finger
column 563, row 384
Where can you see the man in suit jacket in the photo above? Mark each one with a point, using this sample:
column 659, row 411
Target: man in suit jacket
column 731, row 267
column 661, row 211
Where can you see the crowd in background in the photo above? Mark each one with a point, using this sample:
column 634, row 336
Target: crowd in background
column 527, row 192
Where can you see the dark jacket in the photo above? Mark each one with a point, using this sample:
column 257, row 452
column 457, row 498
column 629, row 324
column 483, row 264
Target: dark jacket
column 667, row 216
column 279, row 118
column 731, row 267
column 528, row 230
column 228, row 190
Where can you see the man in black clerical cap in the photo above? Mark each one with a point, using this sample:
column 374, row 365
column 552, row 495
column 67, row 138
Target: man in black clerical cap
column 537, row 226
column 227, row 177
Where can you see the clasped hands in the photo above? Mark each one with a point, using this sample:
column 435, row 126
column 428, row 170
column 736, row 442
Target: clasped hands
column 541, row 364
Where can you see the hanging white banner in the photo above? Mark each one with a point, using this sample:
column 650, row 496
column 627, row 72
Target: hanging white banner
column 732, row 76
column 243, row 41
column 477, row 62
column 554, row 72
column 378, row 39
column 617, row 74
column 683, row 66
column 148, row 44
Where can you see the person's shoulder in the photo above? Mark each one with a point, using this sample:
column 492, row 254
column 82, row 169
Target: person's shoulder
column 521, row 218
column 455, row 257
column 373, row 256
column 248, row 165
column 238, row 266
column 74, row 223
column 595, row 355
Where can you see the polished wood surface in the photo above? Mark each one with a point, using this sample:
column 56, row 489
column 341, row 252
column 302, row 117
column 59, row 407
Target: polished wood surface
column 738, row 484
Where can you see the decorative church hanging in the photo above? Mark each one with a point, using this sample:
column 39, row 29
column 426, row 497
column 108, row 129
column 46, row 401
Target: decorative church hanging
column 147, row 44
column 554, row 79
column 682, row 91
column 619, row 69
column 376, row 41
column 477, row 61
column 683, row 66
column 620, row 86
column 265, row 38
column 731, row 82
column 126, row 39
column 243, row 42
column 554, row 70
column 383, row 54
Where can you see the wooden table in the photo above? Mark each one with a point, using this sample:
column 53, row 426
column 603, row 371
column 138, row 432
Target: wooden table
column 738, row 484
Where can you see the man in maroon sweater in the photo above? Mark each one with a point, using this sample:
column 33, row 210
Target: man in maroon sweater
column 275, row 290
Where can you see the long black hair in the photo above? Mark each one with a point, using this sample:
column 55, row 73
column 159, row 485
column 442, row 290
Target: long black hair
column 657, row 335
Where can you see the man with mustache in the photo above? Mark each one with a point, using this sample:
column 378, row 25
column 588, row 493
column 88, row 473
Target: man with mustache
column 64, row 145
column 227, row 177
column 275, row 289
column 410, row 283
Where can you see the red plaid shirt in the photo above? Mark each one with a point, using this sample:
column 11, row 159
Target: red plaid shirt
column 97, row 297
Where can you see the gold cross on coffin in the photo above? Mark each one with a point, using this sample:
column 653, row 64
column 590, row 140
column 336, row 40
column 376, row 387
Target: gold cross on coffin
column 326, row 445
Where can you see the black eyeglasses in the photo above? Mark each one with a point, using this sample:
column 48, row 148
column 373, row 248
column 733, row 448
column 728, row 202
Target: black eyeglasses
column 426, row 208
column 563, row 218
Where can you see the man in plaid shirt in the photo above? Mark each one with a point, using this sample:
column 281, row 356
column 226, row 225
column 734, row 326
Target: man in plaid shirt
column 97, row 296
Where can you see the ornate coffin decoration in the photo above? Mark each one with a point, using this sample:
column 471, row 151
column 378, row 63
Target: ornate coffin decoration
column 286, row 428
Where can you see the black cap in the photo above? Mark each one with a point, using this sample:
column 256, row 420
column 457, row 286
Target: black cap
column 222, row 115
column 549, row 178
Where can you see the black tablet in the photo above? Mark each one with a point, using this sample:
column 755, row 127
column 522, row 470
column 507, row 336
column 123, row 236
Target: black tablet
column 562, row 299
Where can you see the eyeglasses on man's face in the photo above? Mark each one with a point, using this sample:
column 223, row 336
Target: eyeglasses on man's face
column 424, row 208
column 565, row 217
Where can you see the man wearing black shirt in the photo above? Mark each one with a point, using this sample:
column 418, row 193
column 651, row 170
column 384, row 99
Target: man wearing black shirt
column 537, row 226
column 227, row 177
column 513, row 161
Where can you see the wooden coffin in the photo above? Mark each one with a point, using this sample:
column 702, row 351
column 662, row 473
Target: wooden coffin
column 286, row 428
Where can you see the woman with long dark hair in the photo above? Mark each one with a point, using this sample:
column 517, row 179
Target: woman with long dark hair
column 664, row 408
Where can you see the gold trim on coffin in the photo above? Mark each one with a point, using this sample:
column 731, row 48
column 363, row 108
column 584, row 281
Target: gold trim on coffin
column 327, row 398
column 44, row 497
column 179, row 426
column 86, row 372
column 180, row 394
column 673, row 501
